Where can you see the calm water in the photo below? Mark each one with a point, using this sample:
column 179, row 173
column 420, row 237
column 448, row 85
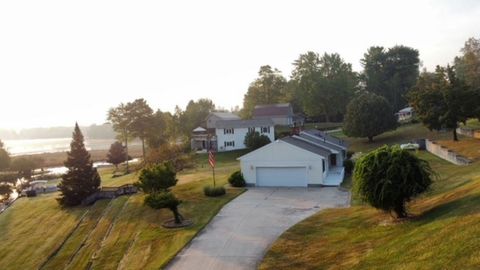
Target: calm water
column 37, row 146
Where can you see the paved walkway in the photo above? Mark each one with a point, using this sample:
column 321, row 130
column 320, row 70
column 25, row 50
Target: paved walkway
column 240, row 235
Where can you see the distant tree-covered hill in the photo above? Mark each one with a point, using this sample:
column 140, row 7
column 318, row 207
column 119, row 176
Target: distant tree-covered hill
column 103, row 131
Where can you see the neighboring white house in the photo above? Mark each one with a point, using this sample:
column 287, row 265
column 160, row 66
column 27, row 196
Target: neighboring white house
column 311, row 158
column 280, row 114
column 405, row 114
column 230, row 134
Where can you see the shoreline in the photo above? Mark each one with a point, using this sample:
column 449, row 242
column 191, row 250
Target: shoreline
column 56, row 159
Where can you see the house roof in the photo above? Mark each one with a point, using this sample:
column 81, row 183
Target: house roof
column 325, row 137
column 320, row 141
column 225, row 115
column 244, row 123
column 406, row 110
column 309, row 146
column 283, row 109
column 199, row 129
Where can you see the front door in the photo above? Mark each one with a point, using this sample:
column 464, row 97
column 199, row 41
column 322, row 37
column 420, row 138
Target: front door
column 333, row 160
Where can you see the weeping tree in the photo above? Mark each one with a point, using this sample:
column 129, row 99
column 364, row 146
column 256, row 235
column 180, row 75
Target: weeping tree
column 165, row 200
column 389, row 177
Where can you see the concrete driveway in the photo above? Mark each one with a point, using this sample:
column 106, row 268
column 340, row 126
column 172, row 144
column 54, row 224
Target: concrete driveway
column 240, row 235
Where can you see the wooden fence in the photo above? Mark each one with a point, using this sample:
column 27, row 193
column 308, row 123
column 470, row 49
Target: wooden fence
column 110, row 193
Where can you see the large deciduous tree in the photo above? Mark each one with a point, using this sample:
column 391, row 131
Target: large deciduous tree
column 194, row 115
column 82, row 179
column 268, row 88
column 467, row 66
column 120, row 119
column 368, row 115
column 391, row 73
column 324, row 84
column 4, row 157
column 441, row 100
column 389, row 177
column 141, row 120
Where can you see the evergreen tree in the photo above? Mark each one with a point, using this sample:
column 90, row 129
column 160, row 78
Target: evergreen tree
column 81, row 179
column 4, row 157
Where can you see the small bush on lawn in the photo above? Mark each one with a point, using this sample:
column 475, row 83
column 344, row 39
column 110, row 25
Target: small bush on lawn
column 236, row 179
column 349, row 165
column 213, row 191
column 31, row 193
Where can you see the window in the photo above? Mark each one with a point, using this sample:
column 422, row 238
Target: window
column 230, row 143
column 228, row 131
column 265, row 129
column 323, row 165
column 251, row 129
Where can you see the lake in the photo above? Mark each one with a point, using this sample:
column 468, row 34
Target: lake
column 38, row 146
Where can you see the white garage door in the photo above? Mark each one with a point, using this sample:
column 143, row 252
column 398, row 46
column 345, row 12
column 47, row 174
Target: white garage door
column 281, row 176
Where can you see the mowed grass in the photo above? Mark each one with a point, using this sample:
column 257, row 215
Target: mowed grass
column 403, row 134
column 111, row 234
column 443, row 233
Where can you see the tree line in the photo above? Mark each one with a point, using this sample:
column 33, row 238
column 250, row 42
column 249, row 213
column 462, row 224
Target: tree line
column 321, row 86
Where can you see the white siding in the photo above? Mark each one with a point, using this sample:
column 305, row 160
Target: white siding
column 281, row 154
column 238, row 137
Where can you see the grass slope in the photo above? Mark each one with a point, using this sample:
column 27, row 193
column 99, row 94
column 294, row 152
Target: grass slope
column 443, row 234
column 111, row 234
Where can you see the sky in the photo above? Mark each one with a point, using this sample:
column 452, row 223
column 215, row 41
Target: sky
column 67, row 61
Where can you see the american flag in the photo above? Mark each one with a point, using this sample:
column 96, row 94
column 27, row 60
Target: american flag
column 211, row 158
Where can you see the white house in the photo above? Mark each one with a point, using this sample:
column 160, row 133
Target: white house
column 405, row 114
column 230, row 134
column 311, row 158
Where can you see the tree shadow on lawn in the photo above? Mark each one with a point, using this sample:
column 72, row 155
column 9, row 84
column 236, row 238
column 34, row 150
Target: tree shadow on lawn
column 468, row 204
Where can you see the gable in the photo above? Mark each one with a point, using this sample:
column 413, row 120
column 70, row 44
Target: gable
column 280, row 151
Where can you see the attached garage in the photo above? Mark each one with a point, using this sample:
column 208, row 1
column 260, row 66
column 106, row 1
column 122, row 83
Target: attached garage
column 281, row 176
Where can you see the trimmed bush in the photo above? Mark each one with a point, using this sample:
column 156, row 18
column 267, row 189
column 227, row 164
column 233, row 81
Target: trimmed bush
column 31, row 193
column 165, row 200
column 349, row 165
column 213, row 191
column 236, row 179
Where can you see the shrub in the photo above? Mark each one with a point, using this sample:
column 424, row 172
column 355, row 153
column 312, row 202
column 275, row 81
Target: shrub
column 349, row 165
column 389, row 177
column 350, row 154
column 165, row 200
column 157, row 178
column 213, row 191
column 236, row 179
column 253, row 140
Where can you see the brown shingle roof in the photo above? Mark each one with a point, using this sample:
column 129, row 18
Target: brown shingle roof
column 273, row 110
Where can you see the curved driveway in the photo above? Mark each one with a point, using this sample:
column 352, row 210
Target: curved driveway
column 240, row 235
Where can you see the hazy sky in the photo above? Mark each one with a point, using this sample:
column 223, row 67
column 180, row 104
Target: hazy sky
column 66, row 61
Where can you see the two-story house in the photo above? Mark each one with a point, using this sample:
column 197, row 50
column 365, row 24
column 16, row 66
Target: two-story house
column 230, row 134
column 226, row 132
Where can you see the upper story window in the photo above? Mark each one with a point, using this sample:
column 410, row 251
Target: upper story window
column 265, row 129
column 228, row 131
column 251, row 129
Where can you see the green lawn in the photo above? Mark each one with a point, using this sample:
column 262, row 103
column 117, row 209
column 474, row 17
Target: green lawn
column 443, row 234
column 403, row 134
column 473, row 123
column 111, row 234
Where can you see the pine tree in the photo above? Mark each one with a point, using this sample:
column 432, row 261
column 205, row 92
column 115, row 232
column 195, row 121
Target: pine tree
column 81, row 179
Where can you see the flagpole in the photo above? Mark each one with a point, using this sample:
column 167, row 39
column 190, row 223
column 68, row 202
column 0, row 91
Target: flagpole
column 213, row 170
